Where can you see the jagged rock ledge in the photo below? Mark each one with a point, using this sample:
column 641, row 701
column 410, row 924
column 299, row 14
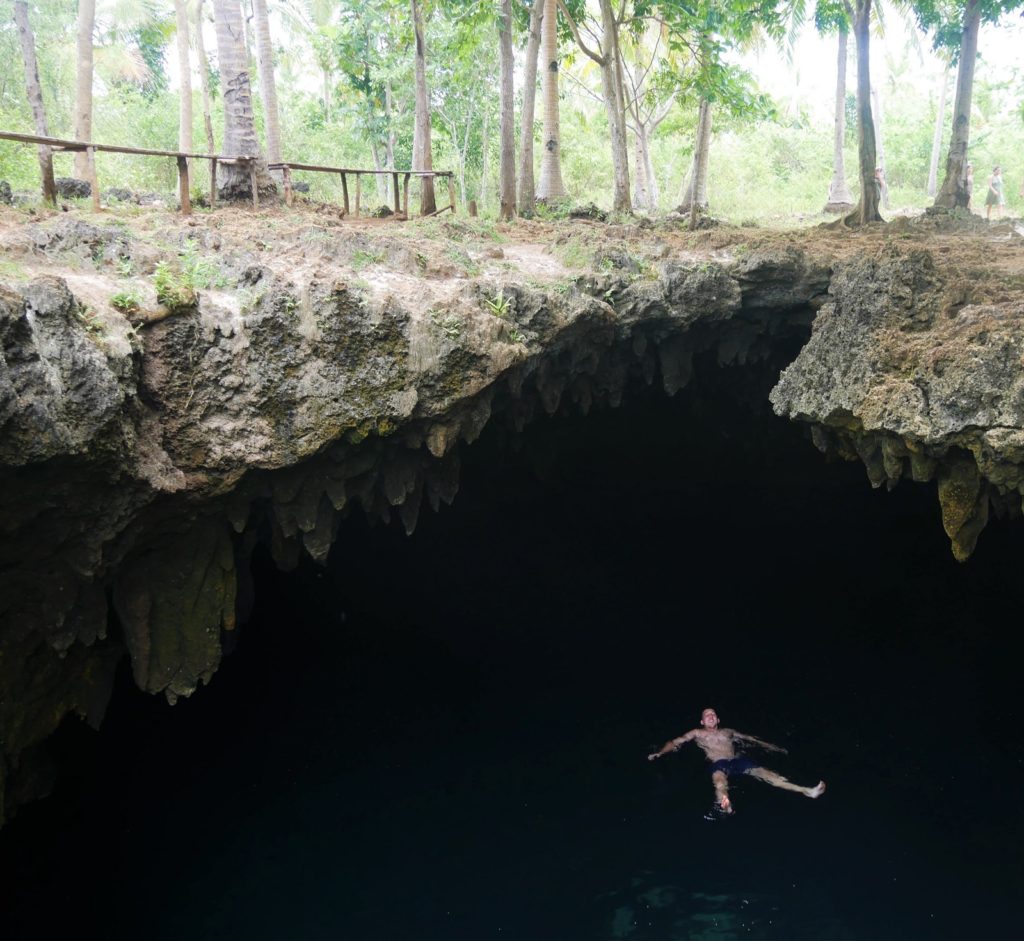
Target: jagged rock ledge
column 141, row 464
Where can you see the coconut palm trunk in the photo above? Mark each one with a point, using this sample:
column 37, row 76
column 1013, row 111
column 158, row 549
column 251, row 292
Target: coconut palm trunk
column 239, row 125
column 35, row 98
column 954, row 187
column 268, row 87
column 527, row 187
column 204, row 78
column 940, row 120
column 83, row 86
column 422, row 152
column 551, row 186
column 507, row 133
column 185, row 73
column 866, row 209
column 840, row 199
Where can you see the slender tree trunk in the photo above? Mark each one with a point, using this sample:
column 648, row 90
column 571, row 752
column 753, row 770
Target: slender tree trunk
column 527, row 189
column 422, row 154
column 507, row 133
column 641, row 197
column 699, row 192
column 840, row 199
column 268, row 87
column 485, row 149
column 551, row 185
column 83, row 86
column 239, row 125
column 615, row 106
column 653, row 190
column 185, row 73
column 940, row 120
column 35, row 98
column 866, row 209
column 876, row 100
column 204, row 79
column 954, row 187
column 389, row 143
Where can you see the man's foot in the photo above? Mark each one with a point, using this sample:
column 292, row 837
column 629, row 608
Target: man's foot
column 725, row 806
column 817, row 790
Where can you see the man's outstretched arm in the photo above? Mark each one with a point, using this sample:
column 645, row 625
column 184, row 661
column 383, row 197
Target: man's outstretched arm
column 767, row 746
column 673, row 744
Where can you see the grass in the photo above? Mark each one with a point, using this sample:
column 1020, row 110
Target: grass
column 128, row 302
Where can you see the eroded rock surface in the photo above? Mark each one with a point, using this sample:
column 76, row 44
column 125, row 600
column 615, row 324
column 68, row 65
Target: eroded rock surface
column 143, row 454
column 905, row 373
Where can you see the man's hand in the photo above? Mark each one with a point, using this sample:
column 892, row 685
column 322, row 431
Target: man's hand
column 653, row 755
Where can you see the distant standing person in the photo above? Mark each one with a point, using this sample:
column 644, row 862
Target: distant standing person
column 994, row 196
column 719, row 746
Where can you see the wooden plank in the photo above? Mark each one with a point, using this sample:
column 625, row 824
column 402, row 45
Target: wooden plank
column 344, row 191
column 213, row 182
column 405, row 189
column 184, row 195
column 252, row 183
column 359, row 192
column 94, row 182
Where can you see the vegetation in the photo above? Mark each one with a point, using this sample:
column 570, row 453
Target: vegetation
column 644, row 103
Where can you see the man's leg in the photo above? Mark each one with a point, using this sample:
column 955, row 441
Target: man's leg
column 721, row 782
column 777, row 780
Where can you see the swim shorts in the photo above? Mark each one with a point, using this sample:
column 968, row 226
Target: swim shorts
column 739, row 765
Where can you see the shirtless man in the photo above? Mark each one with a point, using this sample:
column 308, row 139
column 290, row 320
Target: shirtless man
column 718, row 744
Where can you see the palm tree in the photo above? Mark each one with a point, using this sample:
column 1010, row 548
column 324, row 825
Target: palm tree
column 35, row 97
column 551, row 185
column 204, row 78
column 422, row 156
column 954, row 186
column 239, row 125
column 268, row 88
column 185, row 70
column 527, row 189
column 83, row 86
column 840, row 199
column 866, row 209
column 507, row 161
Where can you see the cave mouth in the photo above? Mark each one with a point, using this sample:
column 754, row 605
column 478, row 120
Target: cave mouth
column 443, row 736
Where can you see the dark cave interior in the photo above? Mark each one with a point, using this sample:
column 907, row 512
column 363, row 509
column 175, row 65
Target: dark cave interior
column 444, row 736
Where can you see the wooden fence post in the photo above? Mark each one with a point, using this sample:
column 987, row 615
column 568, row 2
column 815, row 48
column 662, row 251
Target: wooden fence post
column 286, row 175
column 184, row 194
column 405, row 189
column 398, row 199
column 93, row 179
column 344, row 192
column 451, row 192
column 359, row 191
column 213, row 182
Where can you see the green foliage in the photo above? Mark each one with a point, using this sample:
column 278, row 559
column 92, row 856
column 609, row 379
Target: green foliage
column 449, row 324
column 363, row 258
column 128, row 302
column 498, row 305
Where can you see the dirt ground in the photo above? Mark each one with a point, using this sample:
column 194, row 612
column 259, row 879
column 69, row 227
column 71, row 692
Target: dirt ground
column 423, row 260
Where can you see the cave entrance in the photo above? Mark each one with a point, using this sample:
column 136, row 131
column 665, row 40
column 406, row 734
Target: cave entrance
column 443, row 736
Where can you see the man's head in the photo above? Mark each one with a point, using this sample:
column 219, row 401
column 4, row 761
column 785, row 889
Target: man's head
column 709, row 719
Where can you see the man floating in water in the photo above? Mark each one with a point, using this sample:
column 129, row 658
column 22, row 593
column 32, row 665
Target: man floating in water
column 719, row 745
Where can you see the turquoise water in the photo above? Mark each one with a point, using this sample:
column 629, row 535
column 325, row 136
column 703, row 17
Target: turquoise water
column 444, row 737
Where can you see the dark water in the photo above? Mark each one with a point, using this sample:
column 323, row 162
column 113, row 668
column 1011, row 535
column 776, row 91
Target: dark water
column 443, row 738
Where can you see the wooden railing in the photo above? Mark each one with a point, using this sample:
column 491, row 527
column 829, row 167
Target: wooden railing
column 345, row 172
column 182, row 158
